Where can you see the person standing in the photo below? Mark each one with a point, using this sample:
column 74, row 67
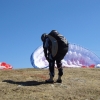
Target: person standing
column 55, row 47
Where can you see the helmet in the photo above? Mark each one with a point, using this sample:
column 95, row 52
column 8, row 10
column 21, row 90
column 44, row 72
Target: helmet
column 43, row 36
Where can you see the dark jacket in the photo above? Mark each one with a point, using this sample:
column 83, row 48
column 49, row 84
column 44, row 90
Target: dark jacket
column 53, row 43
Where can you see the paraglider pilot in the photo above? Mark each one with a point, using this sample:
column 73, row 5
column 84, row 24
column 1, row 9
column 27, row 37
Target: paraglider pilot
column 55, row 48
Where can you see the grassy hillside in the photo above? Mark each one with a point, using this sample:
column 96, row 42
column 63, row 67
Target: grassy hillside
column 28, row 84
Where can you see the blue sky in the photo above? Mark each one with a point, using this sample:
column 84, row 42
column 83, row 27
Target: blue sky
column 23, row 21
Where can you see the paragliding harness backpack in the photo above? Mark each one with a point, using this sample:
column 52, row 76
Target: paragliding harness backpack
column 61, row 40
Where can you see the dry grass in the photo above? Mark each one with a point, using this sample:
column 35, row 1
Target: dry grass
column 28, row 84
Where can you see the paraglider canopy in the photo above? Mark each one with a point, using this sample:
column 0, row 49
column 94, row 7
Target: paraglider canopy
column 77, row 56
column 4, row 65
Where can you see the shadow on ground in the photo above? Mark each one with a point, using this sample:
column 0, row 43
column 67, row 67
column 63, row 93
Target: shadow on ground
column 27, row 83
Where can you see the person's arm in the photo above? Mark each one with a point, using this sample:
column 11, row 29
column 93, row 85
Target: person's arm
column 45, row 52
column 46, row 46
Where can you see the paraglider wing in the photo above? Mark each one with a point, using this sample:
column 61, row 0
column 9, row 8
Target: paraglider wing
column 4, row 65
column 77, row 56
column 37, row 58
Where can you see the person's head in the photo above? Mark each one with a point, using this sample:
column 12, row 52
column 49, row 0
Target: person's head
column 43, row 36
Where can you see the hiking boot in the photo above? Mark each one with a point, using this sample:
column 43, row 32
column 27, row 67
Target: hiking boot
column 59, row 81
column 50, row 80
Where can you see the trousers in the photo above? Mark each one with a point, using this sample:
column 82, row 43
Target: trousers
column 57, row 60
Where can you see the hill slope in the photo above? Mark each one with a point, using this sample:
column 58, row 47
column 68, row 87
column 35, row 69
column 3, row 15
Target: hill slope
column 28, row 84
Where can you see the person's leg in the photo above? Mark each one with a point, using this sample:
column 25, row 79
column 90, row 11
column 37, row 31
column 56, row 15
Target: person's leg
column 51, row 70
column 51, row 67
column 59, row 58
column 60, row 71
